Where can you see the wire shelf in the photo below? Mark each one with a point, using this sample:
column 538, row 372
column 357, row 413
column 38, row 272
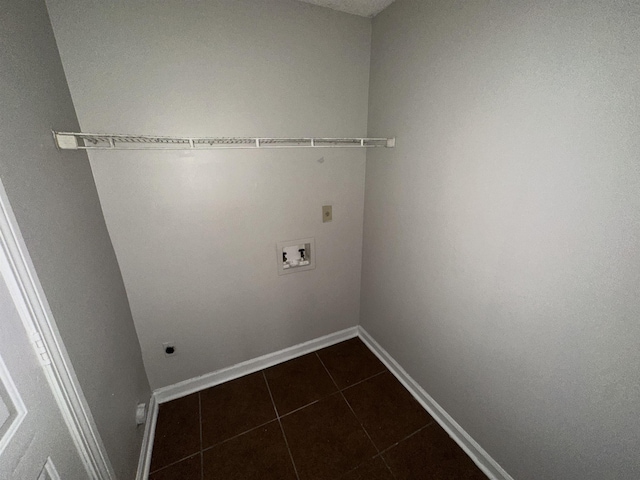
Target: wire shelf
column 103, row 141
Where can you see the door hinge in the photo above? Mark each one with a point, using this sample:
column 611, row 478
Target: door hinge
column 41, row 349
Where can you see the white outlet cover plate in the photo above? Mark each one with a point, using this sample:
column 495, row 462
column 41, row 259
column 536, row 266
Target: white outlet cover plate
column 327, row 213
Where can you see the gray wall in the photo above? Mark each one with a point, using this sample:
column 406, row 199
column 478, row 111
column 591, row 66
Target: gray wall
column 196, row 234
column 501, row 265
column 56, row 204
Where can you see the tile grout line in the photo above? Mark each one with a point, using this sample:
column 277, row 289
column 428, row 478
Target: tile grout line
column 379, row 454
column 238, row 435
column 361, row 425
column 354, row 413
column 332, row 393
column 361, row 381
column 387, row 465
column 368, row 460
column 384, row 370
column 284, row 435
column 382, row 452
column 349, row 405
column 305, row 406
column 199, row 452
column 407, row 437
column 174, row 463
column 201, row 445
column 328, row 372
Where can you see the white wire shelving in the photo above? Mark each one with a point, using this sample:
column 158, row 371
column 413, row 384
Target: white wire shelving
column 103, row 141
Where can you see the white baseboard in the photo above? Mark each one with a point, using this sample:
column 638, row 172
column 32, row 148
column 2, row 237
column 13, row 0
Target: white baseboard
column 144, row 463
column 186, row 387
column 481, row 458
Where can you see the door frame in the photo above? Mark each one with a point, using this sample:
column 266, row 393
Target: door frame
column 28, row 296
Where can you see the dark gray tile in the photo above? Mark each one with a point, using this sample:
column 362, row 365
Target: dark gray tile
column 350, row 362
column 374, row 469
column 326, row 440
column 260, row 454
column 189, row 469
column 177, row 433
column 298, row 382
column 431, row 454
column 234, row 407
column 386, row 409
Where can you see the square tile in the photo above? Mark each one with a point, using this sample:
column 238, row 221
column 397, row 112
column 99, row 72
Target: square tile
column 326, row 440
column 350, row 362
column 189, row 469
column 234, row 407
column 374, row 469
column 298, row 382
column 177, row 431
column 260, row 454
column 430, row 453
column 386, row 409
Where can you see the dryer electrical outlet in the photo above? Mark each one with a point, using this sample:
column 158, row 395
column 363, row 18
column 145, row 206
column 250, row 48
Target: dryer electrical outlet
column 296, row 256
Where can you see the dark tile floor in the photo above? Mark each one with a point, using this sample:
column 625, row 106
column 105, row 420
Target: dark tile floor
column 337, row 413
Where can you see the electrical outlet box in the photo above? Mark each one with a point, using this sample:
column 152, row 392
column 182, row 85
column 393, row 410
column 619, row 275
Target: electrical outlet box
column 296, row 256
column 169, row 349
column 327, row 213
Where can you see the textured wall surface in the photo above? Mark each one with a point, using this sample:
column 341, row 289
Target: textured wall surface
column 196, row 233
column 55, row 201
column 501, row 265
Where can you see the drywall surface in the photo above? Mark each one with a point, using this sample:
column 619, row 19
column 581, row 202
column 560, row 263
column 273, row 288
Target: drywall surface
column 364, row 8
column 501, row 265
column 54, row 199
column 196, row 233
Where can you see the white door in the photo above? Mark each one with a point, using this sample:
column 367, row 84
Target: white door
column 35, row 442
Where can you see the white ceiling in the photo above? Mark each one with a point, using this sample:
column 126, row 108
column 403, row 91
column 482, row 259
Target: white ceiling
column 364, row 8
